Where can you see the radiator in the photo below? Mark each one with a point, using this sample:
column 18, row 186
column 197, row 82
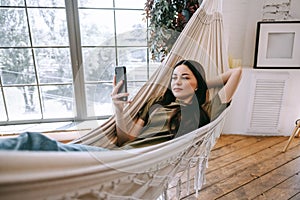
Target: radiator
column 266, row 102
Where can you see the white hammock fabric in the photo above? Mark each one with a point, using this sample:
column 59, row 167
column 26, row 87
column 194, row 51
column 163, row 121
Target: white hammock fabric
column 143, row 173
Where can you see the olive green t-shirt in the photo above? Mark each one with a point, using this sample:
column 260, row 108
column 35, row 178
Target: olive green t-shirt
column 163, row 122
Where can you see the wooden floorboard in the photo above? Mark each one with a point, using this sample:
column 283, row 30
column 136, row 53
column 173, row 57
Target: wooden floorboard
column 251, row 167
column 295, row 197
column 287, row 188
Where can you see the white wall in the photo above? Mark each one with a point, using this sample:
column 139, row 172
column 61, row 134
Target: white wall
column 240, row 19
column 295, row 9
column 238, row 118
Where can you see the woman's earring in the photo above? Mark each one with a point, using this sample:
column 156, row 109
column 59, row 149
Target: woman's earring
column 196, row 89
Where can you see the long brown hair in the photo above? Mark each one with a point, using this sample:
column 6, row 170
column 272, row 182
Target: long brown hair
column 200, row 94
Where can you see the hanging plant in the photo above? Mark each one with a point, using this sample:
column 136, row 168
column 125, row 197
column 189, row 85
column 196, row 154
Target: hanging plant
column 167, row 19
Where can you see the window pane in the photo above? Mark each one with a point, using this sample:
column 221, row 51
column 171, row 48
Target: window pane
column 54, row 65
column 48, row 27
column 17, row 67
column 98, row 99
column 133, row 88
column 12, row 3
column 137, row 72
column 2, row 108
column 153, row 66
column 134, row 56
column 130, row 4
column 57, row 101
column 44, row 49
column 13, row 31
column 131, row 29
column 46, row 3
column 99, row 63
column 22, row 103
column 97, row 27
column 96, row 4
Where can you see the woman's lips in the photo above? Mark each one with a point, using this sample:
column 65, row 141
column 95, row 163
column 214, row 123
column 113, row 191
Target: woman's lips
column 177, row 89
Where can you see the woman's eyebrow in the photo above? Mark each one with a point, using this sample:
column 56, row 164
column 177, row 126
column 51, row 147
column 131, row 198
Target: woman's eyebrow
column 184, row 74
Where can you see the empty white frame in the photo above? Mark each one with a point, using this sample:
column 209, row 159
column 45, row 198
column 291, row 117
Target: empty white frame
column 277, row 45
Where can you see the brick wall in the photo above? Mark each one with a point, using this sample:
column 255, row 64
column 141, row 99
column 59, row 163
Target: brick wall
column 276, row 10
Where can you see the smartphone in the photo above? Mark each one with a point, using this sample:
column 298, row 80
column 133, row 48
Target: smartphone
column 120, row 72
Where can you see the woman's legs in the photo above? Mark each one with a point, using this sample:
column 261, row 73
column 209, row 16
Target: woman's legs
column 30, row 141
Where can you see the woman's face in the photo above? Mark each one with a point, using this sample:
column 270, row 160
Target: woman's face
column 183, row 83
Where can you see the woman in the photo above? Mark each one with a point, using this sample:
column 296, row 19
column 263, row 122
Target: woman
column 183, row 108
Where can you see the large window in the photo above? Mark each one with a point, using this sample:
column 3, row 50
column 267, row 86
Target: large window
column 57, row 57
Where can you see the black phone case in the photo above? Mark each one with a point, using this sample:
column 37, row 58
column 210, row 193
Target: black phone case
column 121, row 75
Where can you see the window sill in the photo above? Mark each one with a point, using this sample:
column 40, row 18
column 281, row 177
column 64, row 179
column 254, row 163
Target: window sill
column 60, row 131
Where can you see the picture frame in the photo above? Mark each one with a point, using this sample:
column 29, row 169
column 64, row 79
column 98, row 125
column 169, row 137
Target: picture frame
column 277, row 45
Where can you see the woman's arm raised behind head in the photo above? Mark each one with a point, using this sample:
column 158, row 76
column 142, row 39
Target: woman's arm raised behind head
column 231, row 80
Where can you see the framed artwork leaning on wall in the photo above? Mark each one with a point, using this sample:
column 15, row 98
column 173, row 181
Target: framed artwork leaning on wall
column 277, row 45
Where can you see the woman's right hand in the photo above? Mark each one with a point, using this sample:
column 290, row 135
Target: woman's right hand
column 127, row 128
column 117, row 97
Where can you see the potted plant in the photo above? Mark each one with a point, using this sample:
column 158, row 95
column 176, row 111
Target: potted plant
column 167, row 19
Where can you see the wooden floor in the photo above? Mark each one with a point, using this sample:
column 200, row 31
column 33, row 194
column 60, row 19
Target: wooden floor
column 251, row 167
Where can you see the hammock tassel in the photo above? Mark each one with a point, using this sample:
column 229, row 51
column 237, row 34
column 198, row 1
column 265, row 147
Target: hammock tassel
column 196, row 180
column 199, row 177
column 188, row 183
column 178, row 189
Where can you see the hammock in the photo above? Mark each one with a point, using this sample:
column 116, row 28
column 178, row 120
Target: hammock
column 143, row 173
